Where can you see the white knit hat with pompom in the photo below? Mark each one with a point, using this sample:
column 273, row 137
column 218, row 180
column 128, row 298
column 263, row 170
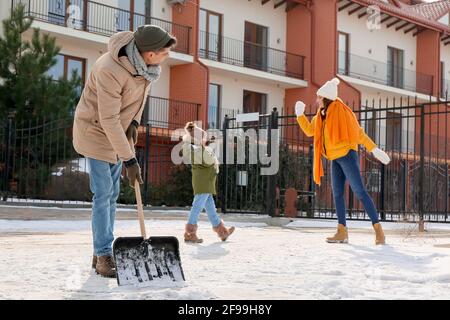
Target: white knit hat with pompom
column 330, row 89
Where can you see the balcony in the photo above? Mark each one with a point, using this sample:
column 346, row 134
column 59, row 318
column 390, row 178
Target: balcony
column 97, row 18
column 169, row 114
column 382, row 73
column 250, row 55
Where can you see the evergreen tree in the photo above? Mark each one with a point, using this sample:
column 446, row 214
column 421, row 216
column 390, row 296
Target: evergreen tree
column 26, row 89
column 35, row 109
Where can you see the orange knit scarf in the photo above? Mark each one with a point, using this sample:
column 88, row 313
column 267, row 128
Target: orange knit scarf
column 342, row 125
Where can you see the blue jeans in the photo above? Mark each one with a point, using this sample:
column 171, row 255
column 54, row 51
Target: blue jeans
column 347, row 168
column 204, row 201
column 105, row 185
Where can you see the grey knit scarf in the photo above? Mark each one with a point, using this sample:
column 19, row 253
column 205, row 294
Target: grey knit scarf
column 151, row 72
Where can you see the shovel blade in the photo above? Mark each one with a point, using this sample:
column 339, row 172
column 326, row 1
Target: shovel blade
column 140, row 261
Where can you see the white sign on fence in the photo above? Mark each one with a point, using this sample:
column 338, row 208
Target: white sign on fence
column 247, row 117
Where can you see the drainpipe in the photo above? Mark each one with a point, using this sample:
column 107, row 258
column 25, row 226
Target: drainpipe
column 313, row 42
column 196, row 58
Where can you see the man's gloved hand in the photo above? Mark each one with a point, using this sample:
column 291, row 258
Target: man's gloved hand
column 299, row 108
column 132, row 132
column 133, row 172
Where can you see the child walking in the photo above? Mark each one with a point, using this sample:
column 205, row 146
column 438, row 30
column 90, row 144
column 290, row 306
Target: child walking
column 337, row 134
column 205, row 168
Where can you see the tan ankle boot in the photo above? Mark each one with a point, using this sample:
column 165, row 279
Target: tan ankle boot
column 223, row 232
column 380, row 239
column 104, row 267
column 190, row 234
column 341, row 235
column 94, row 262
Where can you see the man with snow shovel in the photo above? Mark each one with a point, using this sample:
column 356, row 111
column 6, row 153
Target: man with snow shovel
column 107, row 120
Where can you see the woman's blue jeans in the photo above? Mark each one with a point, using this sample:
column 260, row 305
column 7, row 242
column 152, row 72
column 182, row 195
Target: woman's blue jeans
column 347, row 168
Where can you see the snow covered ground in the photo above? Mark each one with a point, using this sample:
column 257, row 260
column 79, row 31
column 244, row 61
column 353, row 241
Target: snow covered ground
column 51, row 260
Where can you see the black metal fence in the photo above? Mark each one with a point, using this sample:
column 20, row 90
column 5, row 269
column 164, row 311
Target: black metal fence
column 251, row 55
column 99, row 18
column 414, row 186
column 38, row 163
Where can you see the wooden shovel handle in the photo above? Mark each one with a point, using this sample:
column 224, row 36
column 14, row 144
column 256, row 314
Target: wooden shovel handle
column 137, row 190
column 140, row 208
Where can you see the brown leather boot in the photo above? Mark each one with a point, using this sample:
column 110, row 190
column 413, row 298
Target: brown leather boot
column 94, row 262
column 341, row 235
column 190, row 234
column 104, row 267
column 223, row 232
column 380, row 239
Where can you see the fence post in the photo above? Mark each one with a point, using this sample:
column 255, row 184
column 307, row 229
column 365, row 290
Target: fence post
column 447, row 168
column 312, row 186
column 350, row 202
column 8, row 138
column 405, row 178
column 422, row 168
column 272, row 179
column 224, row 166
column 382, row 189
column 146, row 157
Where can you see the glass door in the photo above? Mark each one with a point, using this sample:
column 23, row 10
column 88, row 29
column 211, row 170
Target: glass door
column 255, row 46
column 210, row 35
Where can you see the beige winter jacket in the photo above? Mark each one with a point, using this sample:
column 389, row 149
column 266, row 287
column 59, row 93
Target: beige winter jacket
column 113, row 97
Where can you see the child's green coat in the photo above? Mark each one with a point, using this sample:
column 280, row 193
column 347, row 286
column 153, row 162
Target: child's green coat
column 204, row 174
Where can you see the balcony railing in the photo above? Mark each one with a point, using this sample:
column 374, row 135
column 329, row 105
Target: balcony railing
column 99, row 18
column 383, row 73
column 250, row 55
column 166, row 113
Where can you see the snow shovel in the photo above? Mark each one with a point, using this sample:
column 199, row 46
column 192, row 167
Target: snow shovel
column 140, row 260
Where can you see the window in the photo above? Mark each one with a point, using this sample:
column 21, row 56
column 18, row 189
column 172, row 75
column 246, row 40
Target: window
column 57, row 71
column 210, row 35
column 395, row 67
column 132, row 14
column 214, row 106
column 393, row 131
column 59, row 12
column 255, row 102
column 122, row 16
column 255, row 48
column 142, row 13
column 371, row 123
column 66, row 65
column 343, row 53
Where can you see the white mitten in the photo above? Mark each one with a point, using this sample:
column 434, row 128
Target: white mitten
column 381, row 156
column 187, row 138
column 299, row 108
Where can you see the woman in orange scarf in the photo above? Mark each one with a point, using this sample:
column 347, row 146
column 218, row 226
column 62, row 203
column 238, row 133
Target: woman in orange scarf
column 337, row 134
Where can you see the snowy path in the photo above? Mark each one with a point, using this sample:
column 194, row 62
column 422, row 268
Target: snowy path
column 51, row 260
